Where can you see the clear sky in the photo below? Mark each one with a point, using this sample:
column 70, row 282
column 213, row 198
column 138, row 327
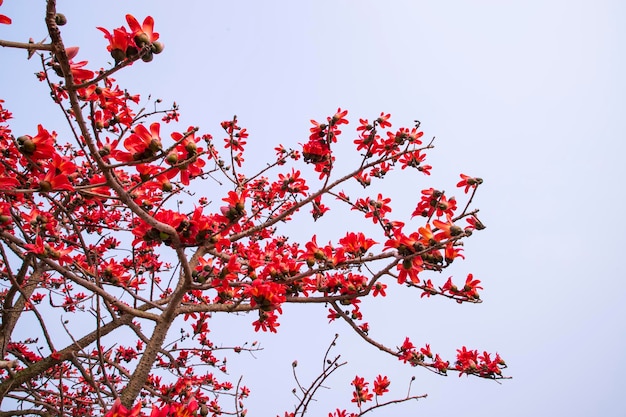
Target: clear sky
column 529, row 95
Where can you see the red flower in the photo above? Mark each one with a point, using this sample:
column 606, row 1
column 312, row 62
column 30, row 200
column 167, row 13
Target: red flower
column 7, row 179
column 119, row 42
column 406, row 349
column 59, row 252
column 267, row 295
column 54, row 182
column 143, row 33
column 141, row 144
column 381, row 384
column 113, row 272
column 452, row 252
column 236, row 205
column 332, row 315
column 266, row 321
column 118, row 410
column 58, row 174
column 4, row 19
column 429, row 289
column 125, row 354
column 356, row 244
column 37, row 298
column 78, row 72
column 363, row 178
column 474, row 223
column 119, row 39
column 471, row 287
column 23, row 351
column 450, row 287
column 469, row 182
column 383, row 120
column 374, row 209
column 413, row 136
column 434, row 201
column 361, row 393
column 440, row 365
column 414, row 160
column 410, row 268
column 379, row 288
column 187, row 161
column 367, row 137
column 291, row 183
column 428, row 238
column 236, row 140
column 313, row 252
column 39, row 147
column 466, row 361
column 318, row 208
column 339, row 118
column 447, row 230
column 316, row 150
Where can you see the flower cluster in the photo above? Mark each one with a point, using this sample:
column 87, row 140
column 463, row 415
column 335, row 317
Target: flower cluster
column 361, row 393
column 408, row 353
column 140, row 41
column 471, row 362
column 317, row 150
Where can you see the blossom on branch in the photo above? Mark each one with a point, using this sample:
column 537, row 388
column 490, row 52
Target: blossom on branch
column 122, row 225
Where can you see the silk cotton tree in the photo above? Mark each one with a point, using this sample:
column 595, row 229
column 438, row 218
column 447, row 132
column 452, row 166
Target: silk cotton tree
column 100, row 223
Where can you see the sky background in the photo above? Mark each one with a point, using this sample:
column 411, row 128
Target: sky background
column 529, row 95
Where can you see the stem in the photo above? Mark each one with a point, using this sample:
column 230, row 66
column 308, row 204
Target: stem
column 28, row 46
column 39, row 368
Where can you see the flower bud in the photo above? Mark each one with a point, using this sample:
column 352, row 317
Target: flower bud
column 155, row 145
column 455, row 230
column 172, row 158
column 167, row 186
column 60, row 19
column 191, row 147
column 131, row 52
column 147, row 56
column 141, row 39
column 157, row 47
column 45, row 186
column 118, row 55
column 27, row 146
column 399, row 140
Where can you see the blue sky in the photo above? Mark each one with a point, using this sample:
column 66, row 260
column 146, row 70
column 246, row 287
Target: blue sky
column 529, row 95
